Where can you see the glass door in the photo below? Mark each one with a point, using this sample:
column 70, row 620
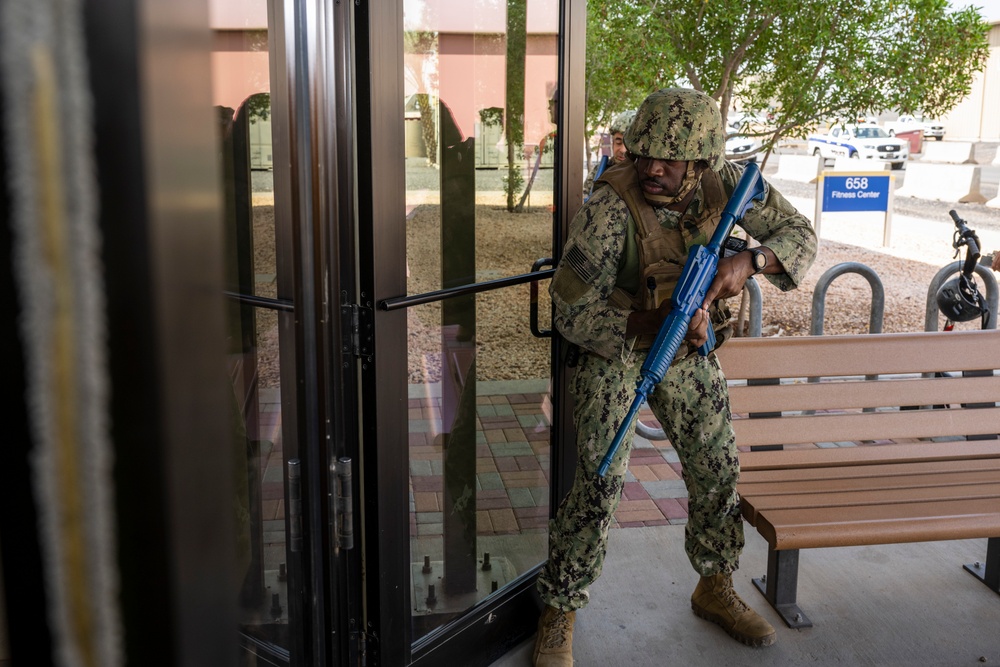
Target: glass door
column 241, row 95
column 280, row 87
column 479, row 201
column 392, row 243
column 459, row 415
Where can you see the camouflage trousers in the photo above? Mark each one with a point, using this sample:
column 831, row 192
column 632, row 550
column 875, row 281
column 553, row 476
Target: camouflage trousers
column 692, row 405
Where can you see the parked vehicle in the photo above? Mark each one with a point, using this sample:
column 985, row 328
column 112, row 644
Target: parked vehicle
column 930, row 128
column 861, row 142
column 742, row 149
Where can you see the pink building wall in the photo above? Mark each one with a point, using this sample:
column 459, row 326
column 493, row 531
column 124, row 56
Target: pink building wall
column 469, row 68
column 239, row 58
column 472, row 77
column 471, row 59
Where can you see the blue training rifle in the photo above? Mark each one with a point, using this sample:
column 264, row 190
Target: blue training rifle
column 699, row 272
column 597, row 174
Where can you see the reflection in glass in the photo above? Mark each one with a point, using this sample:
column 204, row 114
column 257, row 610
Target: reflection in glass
column 478, row 206
column 479, row 425
column 470, row 89
column 252, row 368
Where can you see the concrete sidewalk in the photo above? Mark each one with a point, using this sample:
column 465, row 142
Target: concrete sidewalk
column 895, row 606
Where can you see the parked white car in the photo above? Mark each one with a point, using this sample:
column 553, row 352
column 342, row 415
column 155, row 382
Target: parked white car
column 930, row 128
column 861, row 142
column 742, row 149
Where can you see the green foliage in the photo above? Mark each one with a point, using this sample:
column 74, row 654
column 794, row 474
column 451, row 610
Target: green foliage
column 806, row 61
column 428, row 125
column 513, row 181
column 491, row 116
column 424, row 44
column 258, row 107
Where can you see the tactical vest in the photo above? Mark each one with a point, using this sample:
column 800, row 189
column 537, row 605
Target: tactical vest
column 654, row 255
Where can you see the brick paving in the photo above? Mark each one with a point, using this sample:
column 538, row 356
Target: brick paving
column 512, row 469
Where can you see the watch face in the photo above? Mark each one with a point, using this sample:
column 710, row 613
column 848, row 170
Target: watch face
column 759, row 260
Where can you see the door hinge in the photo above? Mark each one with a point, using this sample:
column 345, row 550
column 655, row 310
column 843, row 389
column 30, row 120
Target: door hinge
column 342, row 503
column 356, row 325
column 359, row 648
column 294, row 505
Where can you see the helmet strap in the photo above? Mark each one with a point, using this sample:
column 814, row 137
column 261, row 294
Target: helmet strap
column 691, row 179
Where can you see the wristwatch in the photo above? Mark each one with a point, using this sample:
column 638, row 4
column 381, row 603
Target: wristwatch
column 758, row 259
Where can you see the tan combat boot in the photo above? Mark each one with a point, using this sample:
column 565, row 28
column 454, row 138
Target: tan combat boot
column 554, row 643
column 715, row 600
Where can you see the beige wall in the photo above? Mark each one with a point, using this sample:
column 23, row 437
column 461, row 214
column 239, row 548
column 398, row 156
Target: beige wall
column 239, row 67
column 977, row 117
column 239, row 50
column 477, row 16
column 237, row 14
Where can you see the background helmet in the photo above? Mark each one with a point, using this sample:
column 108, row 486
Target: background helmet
column 959, row 300
column 678, row 124
column 621, row 122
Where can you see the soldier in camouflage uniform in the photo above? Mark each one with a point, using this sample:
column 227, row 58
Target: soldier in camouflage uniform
column 610, row 293
column 617, row 129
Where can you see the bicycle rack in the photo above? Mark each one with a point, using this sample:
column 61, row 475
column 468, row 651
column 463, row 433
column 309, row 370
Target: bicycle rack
column 942, row 276
column 819, row 296
column 875, row 313
column 753, row 330
column 756, row 308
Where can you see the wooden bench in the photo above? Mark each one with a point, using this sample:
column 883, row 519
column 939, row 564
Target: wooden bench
column 859, row 440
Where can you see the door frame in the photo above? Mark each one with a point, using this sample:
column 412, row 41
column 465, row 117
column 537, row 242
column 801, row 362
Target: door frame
column 490, row 629
column 311, row 56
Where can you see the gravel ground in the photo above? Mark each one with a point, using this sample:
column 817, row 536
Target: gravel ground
column 508, row 244
column 506, row 353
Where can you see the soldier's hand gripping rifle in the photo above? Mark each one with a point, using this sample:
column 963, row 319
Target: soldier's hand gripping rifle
column 689, row 295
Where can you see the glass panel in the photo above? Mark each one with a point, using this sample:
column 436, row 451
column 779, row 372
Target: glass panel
column 261, row 507
column 479, row 426
column 242, row 102
column 479, row 155
column 479, row 137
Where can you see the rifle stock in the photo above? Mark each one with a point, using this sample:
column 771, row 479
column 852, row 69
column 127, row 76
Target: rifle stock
column 699, row 271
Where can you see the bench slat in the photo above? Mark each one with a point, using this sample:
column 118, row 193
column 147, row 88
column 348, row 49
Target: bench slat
column 893, row 425
column 864, row 394
column 755, row 505
column 870, row 354
column 757, row 497
column 880, row 524
column 865, row 473
column 847, row 456
column 863, row 484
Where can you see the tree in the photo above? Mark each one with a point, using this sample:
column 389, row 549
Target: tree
column 800, row 61
column 517, row 41
column 425, row 69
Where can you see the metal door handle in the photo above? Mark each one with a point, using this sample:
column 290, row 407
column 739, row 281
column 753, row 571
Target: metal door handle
column 533, row 307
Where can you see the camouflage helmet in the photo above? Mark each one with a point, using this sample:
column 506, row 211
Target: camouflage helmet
column 678, row 124
column 621, row 122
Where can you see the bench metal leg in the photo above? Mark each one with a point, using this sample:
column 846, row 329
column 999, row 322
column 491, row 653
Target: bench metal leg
column 780, row 584
column 988, row 571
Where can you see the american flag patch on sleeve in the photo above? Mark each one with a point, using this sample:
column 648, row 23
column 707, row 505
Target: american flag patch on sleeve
column 580, row 263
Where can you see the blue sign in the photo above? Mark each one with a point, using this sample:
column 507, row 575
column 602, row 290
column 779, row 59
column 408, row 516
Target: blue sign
column 854, row 192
